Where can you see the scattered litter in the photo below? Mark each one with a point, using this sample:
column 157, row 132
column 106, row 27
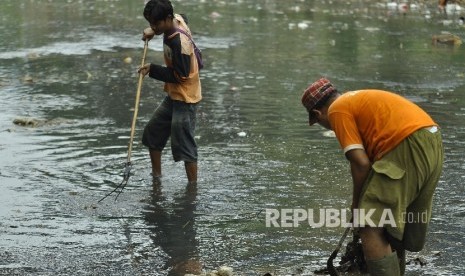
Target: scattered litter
column 302, row 25
column 372, row 29
column 127, row 60
column 295, row 9
column 89, row 75
column 221, row 271
column 453, row 8
column 241, row 134
column 32, row 55
column 447, row 39
column 392, row 5
column 417, row 261
column 329, row 133
column 27, row 79
column 215, row 15
column 34, row 122
column 92, row 206
column 225, row 271
column 403, row 7
column 26, row 121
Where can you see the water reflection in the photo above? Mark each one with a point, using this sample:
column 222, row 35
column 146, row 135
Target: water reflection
column 174, row 229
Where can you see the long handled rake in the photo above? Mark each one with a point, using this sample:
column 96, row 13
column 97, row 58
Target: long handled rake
column 329, row 264
column 128, row 165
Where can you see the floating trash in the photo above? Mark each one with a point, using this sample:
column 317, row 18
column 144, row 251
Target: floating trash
column 127, row 60
column 34, row 122
column 302, row 25
column 27, row 79
column 89, row 75
column 26, row 121
column 453, row 8
column 372, row 29
column 417, row 261
column 215, row 15
column 447, row 39
column 295, row 8
column 225, row 271
column 329, row 133
column 32, row 55
column 222, row 271
column 241, row 134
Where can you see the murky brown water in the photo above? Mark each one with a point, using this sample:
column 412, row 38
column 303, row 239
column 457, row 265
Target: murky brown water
column 63, row 61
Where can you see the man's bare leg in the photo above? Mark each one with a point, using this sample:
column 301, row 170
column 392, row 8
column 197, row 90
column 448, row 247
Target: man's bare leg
column 378, row 252
column 155, row 158
column 191, row 171
column 375, row 244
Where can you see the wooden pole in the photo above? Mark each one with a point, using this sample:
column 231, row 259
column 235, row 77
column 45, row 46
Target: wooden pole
column 136, row 107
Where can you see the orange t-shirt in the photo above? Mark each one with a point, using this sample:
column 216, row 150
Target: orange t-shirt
column 375, row 120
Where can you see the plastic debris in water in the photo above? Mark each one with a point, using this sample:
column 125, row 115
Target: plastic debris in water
column 28, row 79
column 403, row 7
column 33, row 55
column 417, row 261
column 453, row 8
column 302, row 25
column 26, row 121
column 241, row 134
column 295, row 8
column 391, row 5
column 215, row 15
column 89, row 75
column 447, row 38
column 222, row 271
column 225, row 271
column 329, row 133
column 35, row 122
column 127, row 60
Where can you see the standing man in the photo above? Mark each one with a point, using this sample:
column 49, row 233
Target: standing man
column 176, row 115
column 396, row 156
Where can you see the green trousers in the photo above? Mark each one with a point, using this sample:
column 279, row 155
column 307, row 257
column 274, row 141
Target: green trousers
column 400, row 188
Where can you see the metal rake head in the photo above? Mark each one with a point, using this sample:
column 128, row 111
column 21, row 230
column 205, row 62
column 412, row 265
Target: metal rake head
column 124, row 182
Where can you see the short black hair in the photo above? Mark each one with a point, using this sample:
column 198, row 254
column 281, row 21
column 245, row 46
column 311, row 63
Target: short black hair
column 157, row 10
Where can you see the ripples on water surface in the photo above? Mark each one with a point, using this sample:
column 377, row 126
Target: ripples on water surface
column 64, row 62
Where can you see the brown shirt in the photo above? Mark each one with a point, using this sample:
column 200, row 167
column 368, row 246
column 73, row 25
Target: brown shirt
column 177, row 47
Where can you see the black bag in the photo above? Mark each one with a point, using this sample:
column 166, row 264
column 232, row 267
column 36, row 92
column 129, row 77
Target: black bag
column 197, row 52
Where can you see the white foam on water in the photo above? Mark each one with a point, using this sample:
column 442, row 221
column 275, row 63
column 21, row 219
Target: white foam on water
column 106, row 42
column 95, row 42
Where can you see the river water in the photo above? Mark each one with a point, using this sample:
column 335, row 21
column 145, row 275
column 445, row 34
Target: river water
column 65, row 64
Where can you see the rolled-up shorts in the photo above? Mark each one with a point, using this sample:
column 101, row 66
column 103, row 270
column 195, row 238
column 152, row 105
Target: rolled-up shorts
column 403, row 181
column 175, row 119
